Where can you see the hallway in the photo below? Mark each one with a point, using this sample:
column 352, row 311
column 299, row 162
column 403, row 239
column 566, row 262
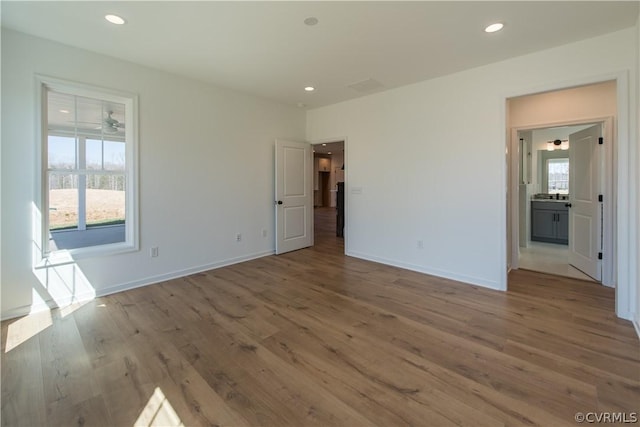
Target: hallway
column 324, row 228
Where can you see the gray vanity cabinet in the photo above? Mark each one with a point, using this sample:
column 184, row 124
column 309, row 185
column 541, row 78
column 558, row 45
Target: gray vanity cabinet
column 550, row 222
column 562, row 225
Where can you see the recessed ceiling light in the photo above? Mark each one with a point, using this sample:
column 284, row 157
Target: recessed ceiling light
column 494, row 27
column 64, row 111
column 114, row 19
column 311, row 21
column 309, row 88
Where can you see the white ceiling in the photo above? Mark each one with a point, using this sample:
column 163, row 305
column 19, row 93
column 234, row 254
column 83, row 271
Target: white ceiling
column 265, row 49
column 329, row 147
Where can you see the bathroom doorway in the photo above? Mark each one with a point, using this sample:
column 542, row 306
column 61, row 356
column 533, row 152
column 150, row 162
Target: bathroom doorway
column 544, row 181
column 582, row 105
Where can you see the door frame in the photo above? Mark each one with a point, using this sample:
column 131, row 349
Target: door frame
column 626, row 213
column 346, row 193
column 607, row 188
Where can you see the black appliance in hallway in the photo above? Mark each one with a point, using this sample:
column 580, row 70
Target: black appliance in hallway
column 340, row 210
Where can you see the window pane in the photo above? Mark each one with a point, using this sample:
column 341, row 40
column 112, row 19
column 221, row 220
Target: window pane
column 103, row 219
column 105, row 155
column 114, row 156
column 61, row 113
column 105, row 200
column 62, row 152
column 94, row 154
column 63, row 201
column 558, row 175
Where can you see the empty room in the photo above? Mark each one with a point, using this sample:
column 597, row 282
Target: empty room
column 320, row 213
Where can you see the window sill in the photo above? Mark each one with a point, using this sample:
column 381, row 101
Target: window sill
column 64, row 256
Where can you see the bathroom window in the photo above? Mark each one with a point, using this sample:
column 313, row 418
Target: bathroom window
column 558, row 176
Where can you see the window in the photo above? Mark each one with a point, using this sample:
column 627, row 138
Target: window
column 558, row 176
column 89, row 169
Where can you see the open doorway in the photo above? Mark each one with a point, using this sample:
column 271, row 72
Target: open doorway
column 547, row 228
column 328, row 193
column 545, row 180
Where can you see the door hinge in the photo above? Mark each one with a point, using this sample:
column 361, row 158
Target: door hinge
column 599, row 255
column 600, row 140
column 600, row 198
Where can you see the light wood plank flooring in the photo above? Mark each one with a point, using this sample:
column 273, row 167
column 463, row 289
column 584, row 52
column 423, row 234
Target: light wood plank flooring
column 314, row 338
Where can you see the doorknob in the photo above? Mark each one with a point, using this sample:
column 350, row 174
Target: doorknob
column 279, row 202
column 568, row 205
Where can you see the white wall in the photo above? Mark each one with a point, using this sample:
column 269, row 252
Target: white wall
column 571, row 104
column 430, row 158
column 206, row 169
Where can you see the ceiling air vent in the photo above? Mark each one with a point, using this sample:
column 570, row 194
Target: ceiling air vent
column 367, row 85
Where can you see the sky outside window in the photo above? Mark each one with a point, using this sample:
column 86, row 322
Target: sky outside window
column 62, row 153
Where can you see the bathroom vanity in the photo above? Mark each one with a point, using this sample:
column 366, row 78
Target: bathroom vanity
column 550, row 221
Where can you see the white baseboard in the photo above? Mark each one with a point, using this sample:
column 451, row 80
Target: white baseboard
column 636, row 325
column 180, row 273
column 50, row 304
column 491, row 284
column 24, row 310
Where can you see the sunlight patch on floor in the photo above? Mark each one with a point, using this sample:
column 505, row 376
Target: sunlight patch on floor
column 69, row 309
column 158, row 412
column 25, row 328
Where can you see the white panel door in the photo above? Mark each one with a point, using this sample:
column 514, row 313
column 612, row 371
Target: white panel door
column 585, row 215
column 294, row 196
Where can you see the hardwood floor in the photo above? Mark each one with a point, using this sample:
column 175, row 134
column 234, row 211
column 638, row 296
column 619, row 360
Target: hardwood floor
column 314, row 338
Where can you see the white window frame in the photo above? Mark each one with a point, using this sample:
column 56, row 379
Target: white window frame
column 131, row 242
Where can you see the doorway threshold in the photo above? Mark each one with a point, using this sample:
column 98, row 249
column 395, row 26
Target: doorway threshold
column 549, row 258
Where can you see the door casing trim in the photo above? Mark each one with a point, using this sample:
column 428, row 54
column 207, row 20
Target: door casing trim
column 623, row 154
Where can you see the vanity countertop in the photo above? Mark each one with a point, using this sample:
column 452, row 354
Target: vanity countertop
column 550, row 200
column 550, row 196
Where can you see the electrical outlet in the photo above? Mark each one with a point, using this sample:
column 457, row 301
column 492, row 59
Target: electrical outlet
column 238, row 237
column 420, row 244
column 153, row 252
